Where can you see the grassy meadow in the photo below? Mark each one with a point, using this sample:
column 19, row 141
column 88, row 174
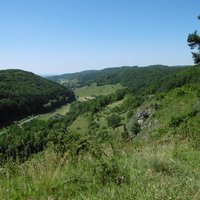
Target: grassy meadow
column 167, row 169
column 91, row 91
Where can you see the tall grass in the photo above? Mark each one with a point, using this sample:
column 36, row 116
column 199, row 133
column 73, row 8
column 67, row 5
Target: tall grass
column 128, row 171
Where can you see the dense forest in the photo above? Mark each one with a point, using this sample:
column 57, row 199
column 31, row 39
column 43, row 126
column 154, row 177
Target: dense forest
column 132, row 77
column 24, row 93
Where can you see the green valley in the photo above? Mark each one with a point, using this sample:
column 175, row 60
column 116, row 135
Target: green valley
column 24, row 93
column 99, row 100
column 120, row 142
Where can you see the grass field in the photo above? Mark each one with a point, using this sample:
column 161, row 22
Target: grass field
column 148, row 171
column 79, row 125
column 93, row 90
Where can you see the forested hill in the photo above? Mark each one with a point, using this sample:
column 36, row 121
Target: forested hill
column 23, row 93
column 131, row 77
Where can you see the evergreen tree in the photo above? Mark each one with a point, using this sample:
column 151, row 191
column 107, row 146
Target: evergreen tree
column 194, row 42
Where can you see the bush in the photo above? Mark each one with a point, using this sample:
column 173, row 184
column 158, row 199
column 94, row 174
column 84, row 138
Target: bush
column 114, row 120
column 119, row 94
column 113, row 172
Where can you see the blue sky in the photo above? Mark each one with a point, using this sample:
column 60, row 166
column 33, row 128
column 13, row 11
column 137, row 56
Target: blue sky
column 63, row 36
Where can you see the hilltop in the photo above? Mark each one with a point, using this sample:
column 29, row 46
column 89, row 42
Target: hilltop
column 133, row 77
column 24, row 93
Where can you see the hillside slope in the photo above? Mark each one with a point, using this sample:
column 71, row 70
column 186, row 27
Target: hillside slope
column 143, row 145
column 23, row 93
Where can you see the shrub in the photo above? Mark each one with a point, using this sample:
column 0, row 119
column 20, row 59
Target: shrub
column 119, row 94
column 112, row 172
column 114, row 120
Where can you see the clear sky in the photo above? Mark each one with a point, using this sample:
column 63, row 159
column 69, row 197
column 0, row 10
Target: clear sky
column 63, row 36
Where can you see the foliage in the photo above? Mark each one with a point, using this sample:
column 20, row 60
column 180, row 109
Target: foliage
column 136, row 78
column 51, row 161
column 19, row 142
column 91, row 91
column 113, row 120
column 101, row 172
column 194, row 42
column 24, row 93
column 177, row 120
column 130, row 114
column 182, row 77
column 139, row 81
column 119, row 94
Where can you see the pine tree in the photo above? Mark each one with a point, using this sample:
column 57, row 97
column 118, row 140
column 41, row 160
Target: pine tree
column 194, row 42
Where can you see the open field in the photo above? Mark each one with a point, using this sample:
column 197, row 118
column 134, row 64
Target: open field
column 80, row 125
column 94, row 90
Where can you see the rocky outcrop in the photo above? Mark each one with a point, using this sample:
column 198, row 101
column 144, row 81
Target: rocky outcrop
column 143, row 115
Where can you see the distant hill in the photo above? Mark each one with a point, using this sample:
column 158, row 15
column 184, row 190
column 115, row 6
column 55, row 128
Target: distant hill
column 23, row 93
column 131, row 77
